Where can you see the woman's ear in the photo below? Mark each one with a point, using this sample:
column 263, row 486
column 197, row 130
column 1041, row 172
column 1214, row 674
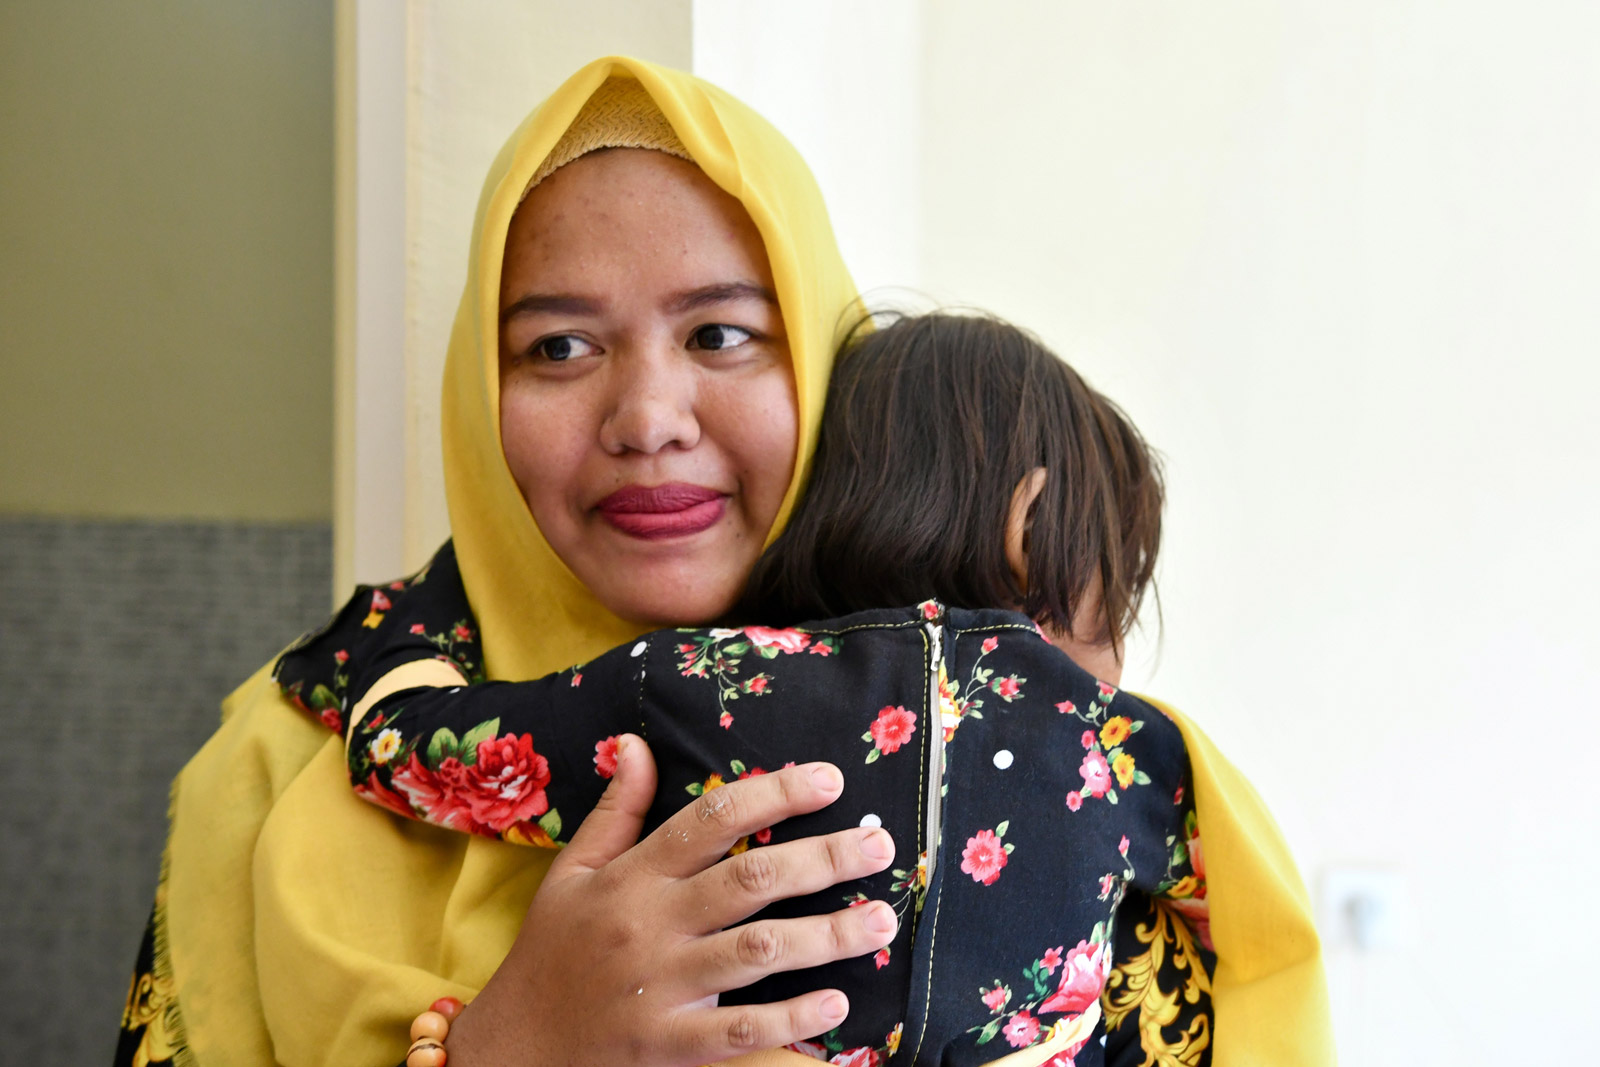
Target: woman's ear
column 1018, row 522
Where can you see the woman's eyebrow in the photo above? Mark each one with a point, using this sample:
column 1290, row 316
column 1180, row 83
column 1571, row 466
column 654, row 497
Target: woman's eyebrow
column 720, row 293
column 549, row 303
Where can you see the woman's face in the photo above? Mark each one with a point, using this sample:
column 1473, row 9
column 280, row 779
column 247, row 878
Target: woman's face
column 647, row 405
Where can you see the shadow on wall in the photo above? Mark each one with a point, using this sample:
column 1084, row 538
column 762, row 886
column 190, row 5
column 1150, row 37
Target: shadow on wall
column 118, row 641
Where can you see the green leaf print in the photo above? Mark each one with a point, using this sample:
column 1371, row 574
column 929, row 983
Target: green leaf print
column 443, row 745
column 550, row 823
column 484, row 731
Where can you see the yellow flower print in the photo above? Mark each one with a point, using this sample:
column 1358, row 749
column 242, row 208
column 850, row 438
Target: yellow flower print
column 893, row 1041
column 384, row 746
column 372, row 620
column 1122, row 767
column 714, row 782
column 1115, row 731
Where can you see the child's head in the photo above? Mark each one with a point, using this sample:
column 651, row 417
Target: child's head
column 934, row 428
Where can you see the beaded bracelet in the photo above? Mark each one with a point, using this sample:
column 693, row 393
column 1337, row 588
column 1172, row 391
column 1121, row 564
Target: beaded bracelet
column 428, row 1032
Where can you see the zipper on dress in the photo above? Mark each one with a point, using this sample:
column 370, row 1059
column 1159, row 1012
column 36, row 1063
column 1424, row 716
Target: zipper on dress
column 935, row 728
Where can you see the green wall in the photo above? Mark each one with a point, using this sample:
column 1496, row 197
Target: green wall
column 166, row 202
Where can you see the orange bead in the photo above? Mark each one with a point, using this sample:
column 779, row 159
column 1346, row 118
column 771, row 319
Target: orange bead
column 449, row 1007
column 429, row 1024
column 426, row 1053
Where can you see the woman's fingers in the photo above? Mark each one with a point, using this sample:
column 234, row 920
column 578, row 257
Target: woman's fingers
column 713, row 1034
column 614, row 826
column 706, row 828
column 735, row 958
column 744, row 884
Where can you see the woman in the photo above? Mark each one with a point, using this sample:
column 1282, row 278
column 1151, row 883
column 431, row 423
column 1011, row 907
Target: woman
column 269, row 947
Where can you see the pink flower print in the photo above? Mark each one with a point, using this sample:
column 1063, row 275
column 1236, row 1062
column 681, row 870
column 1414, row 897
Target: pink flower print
column 1107, row 884
column 1096, row 774
column 983, row 857
column 397, row 585
column 1177, row 797
column 930, row 609
column 605, row 756
column 758, row 684
column 857, row 1057
column 462, row 633
column 991, row 643
column 331, row 719
column 1197, row 858
column 1107, row 691
column 995, row 999
column 686, row 649
column 789, row 641
column 892, row 728
column 726, row 721
column 1087, row 739
column 577, row 679
column 379, row 601
column 1067, row 707
column 881, row 959
column 418, row 629
column 1083, row 975
column 820, row 649
column 1051, row 959
column 341, row 657
column 764, row 837
column 1022, row 1030
column 1074, row 800
column 808, row 1048
column 1008, row 687
column 1122, row 846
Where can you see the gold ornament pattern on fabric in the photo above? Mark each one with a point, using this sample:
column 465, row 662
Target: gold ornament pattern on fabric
column 1169, row 987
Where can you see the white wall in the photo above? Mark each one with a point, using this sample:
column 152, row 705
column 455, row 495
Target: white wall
column 1339, row 262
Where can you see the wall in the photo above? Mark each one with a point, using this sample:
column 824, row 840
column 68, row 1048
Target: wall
column 1339, row 263
column 165, row 236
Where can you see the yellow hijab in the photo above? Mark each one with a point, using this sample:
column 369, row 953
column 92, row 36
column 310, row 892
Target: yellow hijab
column 297, row 925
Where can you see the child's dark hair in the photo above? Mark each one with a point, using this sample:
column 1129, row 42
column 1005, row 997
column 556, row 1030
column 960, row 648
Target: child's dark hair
column 931, row 422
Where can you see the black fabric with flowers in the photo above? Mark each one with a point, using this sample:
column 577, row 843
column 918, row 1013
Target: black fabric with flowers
column 1047, row 847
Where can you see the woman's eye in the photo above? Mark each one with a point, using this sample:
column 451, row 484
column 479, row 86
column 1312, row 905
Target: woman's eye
column 715, row 337
column 562, row 347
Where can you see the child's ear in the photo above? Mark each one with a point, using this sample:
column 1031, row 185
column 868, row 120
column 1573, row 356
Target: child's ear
column 1019, row 518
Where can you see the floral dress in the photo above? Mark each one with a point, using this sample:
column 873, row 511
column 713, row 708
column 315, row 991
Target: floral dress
column 1049, row 875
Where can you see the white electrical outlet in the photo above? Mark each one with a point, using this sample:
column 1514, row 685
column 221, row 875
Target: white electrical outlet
column 1366, row 909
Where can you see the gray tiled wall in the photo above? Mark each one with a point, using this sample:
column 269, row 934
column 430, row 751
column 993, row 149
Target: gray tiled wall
column 117, row 642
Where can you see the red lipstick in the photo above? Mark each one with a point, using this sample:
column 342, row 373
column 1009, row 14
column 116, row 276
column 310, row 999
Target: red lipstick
column 653, row 513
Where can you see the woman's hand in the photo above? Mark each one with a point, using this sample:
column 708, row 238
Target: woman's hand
column 624, row 948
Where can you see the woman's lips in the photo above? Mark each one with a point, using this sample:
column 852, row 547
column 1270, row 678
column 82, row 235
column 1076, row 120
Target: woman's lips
column 661, row 511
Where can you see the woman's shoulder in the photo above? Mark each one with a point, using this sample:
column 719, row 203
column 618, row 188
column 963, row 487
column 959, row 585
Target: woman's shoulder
column 424, row 615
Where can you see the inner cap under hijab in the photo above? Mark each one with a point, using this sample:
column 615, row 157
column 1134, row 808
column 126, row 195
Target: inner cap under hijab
column 620, row 114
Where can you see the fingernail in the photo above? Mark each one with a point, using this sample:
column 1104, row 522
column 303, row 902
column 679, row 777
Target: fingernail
column 826, row 777
column 881, row 920
column 622, row 747
column 834, row 1006
column 876, row 845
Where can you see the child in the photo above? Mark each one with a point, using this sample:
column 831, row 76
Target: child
column 962, row 469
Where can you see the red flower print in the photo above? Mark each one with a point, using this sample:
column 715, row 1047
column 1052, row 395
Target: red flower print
column 379, row 601
column 1067, row 707
column 1122, row 846
column 930, row 609
column 820, row 649
column 1088, row 739
column 983, row 857
column 1052, row 959
column 1096, row 774
column 1074, row 800
column 1108, row 882
column 1197, row 858
column 1177, row 797
column 577, row 679
column 858, row 1057
column 789, row 641
column 1022, row 1030
column 462, row 633
column 1008, row 687
column 1107, row 691
column 758, row 684
column 1083, row 975
column 991, row 643
column 341, row 657
column 764, row 837
column 418, row 628
column 605, row 756
column 881, row 960
column 892, row 728
column 331, row 719
column 752, row 772
column 726, row 721
column 383, row 796
column 505, row 786
column 686, row 649
column 808, row 1048
column 995, row 999
column 397, row 586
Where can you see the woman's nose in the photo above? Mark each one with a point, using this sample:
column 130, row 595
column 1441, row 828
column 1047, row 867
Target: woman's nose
column 653, row 405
